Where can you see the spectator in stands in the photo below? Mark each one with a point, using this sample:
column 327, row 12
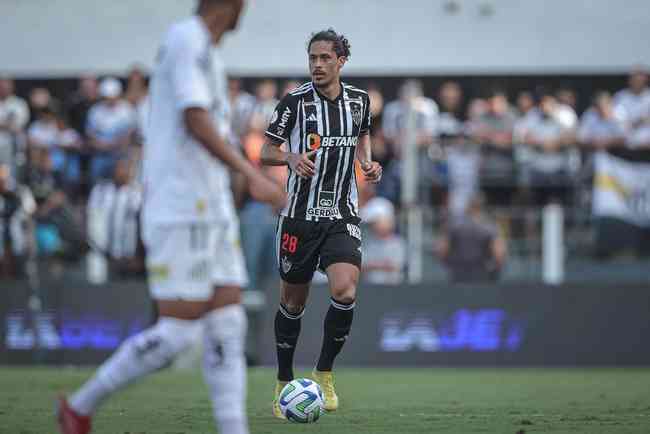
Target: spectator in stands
column 57, row 229
column 450, row 122
column 463, row 159
column 17, row 207
column 265, row 95
column 601, row 126
column 14, row 116
column 44, row 131
column 136, row 86
column 376, row 105
column 476, row 108
column 40, row 98
column 471, row 246
column 257, row 219
column 548, row 133
column 110, row 128
column 113, row 209
column 394, row 127
column 136, row 94
column 493, row 130
column 384, row 251
column 380, row 151
column 525, row 103
column 242, row 104
column 288, row 86
column 411, row 96
column 567, row 96
column 51, row 132
column 634, row 104
column 80, row 103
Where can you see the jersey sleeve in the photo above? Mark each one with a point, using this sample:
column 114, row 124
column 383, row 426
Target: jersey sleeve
column 283, row 120
column 189, row 72
column 365, row 123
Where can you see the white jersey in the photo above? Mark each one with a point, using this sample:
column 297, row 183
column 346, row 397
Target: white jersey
column 183, row 183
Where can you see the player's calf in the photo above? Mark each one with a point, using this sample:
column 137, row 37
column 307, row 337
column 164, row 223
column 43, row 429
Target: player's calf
column 142, row 354
column 224, row 366
column 287, row 331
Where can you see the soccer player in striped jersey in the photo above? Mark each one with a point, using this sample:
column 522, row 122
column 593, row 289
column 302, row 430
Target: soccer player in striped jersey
column 325, row 124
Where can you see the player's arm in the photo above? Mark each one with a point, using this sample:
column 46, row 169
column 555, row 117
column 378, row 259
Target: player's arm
column 302, row 164
column 194, row 99
column 200, row 125
column 371, row 169
column 278, row 132
column 273, row 155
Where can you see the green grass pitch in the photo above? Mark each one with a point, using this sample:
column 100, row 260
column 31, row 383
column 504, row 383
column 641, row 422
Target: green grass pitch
column 373, row 401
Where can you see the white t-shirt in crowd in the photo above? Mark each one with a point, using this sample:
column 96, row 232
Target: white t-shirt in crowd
column 182, row 181
column 566, row 116
column 594, row 127
column 242, row 109
column 547, row 128
column 44, row 134
column 633, row 106
column 110, row 123
column 395, row 117
column 388, row 250
column 13, row 110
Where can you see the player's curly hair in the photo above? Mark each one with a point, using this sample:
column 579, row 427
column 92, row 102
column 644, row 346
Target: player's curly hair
column 341, row 44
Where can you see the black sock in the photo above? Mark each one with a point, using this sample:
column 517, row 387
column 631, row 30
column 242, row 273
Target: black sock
column 287, row 330
column 338, row 322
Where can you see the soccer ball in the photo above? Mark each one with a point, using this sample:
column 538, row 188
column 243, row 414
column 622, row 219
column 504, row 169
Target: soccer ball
column 301, row 401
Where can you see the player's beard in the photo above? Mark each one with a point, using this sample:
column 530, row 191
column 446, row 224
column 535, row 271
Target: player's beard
column 324, row 81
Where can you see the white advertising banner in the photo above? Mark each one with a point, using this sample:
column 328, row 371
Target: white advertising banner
column 622, row 189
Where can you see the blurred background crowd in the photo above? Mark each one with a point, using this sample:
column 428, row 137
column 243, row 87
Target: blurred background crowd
column 488, row 162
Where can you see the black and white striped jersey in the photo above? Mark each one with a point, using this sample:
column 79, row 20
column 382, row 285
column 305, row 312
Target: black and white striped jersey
column 307, row 120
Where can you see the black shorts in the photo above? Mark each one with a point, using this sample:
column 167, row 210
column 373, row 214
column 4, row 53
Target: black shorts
column 302, row 246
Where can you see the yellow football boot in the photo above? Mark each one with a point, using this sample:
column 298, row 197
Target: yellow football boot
column 276, row 399
column 326, row 381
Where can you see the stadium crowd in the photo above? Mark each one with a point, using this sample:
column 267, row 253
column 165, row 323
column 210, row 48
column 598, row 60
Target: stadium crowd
column 69, row 168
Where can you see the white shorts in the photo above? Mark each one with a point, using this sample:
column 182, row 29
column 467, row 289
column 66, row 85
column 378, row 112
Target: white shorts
column 188, row 261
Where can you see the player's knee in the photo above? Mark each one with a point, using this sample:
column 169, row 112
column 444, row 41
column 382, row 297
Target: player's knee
column 344, row 290
column 294, row 308
column 153, row 348
column 226, row 329
column 293, row 302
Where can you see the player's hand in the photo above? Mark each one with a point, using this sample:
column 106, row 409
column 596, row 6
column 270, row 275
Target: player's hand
column 372, row 171
column 302, row 164
column 265, row 190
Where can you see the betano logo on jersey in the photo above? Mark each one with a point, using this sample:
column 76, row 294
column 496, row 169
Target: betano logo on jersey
column 315, row 141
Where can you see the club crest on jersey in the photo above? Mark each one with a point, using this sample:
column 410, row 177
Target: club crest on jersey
column 286, row 264
column 356, row 114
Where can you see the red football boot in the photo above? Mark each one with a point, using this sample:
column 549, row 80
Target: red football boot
column 69, row 421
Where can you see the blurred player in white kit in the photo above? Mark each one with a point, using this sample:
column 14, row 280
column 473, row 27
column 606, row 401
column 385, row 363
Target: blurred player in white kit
column 194, row 262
